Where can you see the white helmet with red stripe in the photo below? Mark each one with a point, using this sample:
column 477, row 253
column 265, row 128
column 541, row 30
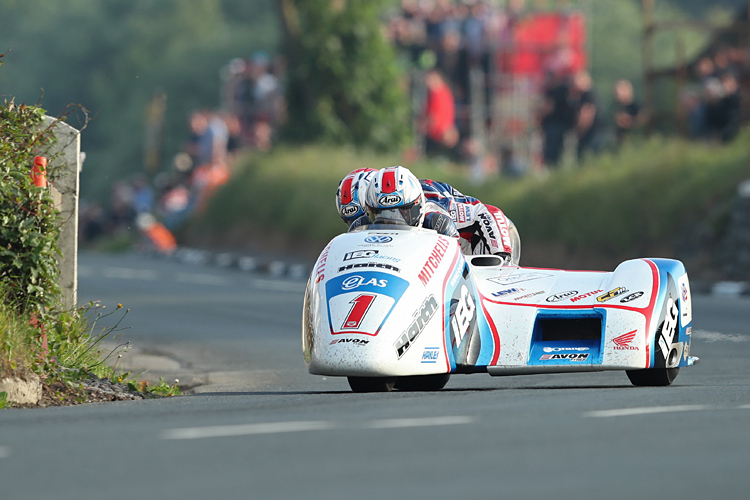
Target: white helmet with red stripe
column 395, row 197
column 350, row 196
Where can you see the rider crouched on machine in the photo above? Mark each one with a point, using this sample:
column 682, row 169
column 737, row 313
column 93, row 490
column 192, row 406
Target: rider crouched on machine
column 483, row 229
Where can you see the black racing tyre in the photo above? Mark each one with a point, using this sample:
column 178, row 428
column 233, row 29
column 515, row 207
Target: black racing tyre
column 371, row 384
column 423, row 382
column 653, row 377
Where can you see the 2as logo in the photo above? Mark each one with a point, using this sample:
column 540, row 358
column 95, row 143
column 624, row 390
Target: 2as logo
column 357, row 281
column 461, row 320
column 378, row 239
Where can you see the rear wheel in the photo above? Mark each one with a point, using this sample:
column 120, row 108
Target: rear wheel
column 371, row 384
column 423, row 382
column 653, row 376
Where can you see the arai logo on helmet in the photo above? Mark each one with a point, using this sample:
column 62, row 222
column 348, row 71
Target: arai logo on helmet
column 357, row 281
column 389, row 200
column 378, row 239
column 349, row 210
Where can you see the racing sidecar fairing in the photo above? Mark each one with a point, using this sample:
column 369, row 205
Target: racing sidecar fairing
column 398, row 306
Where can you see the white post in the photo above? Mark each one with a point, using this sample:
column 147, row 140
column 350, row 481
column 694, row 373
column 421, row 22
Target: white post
column 66, row 183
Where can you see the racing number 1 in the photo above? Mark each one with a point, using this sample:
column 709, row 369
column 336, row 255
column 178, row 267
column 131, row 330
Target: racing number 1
column 361, row 304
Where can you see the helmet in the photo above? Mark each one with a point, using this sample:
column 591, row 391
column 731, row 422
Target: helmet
column 395, row 196
column 351, row 193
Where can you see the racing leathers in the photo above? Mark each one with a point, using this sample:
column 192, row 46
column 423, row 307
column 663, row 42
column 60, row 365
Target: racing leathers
column 483, row 229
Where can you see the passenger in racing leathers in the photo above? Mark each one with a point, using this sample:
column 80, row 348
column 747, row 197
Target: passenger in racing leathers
column 483, row 229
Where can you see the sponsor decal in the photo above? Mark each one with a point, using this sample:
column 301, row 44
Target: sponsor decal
column 461, row 214
column 558, row 349
column 320, row 268
column 421, row 316
column 611, row 294
column 430, row 354
column 389, row 200
column 463, row 316
column 529, row 295
column 509, row 291
column 502, row 224
column 360, row 254
column 581, row 356
column 378, row 265
column 562, row 296
column 512, row 279
column 350, row 341
column 347, row 300
column 669, row 328
column 379, row 239
column 686, row 308
column 689, row 330
column 487, row 223
column 631, row 297
column 433, row 261
column 622, row 342
column 349, row 210
column 356, row 281
column 585, row 295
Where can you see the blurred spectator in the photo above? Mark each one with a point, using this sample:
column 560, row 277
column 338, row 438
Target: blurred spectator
column 209, row 137
column 626, row 112
column 588, row 121
column 438, row 120
column 556, row 117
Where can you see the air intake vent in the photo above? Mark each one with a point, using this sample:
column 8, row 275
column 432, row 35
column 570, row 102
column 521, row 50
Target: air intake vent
column 570, row 328
column 486, row 261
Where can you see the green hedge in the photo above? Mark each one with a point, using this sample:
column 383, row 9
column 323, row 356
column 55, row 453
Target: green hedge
column 647, row 200
column 29, row 220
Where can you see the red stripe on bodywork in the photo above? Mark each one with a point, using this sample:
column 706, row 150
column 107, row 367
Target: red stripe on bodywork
column 493, row 329
column 389, row 181
column 346, row 191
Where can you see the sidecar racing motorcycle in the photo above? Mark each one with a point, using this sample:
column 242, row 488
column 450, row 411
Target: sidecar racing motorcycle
column 395, row 306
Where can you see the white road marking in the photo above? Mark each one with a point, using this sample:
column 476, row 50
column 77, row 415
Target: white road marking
column 245, row 429
column 720, row 337
column 745, row 407
column 315, row 425
column 625, row 412
column 129, row 273
column 396, row 423
column 202, row 279
column 4, row 452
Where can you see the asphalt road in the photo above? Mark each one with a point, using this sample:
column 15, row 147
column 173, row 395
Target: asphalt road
column 261, row 427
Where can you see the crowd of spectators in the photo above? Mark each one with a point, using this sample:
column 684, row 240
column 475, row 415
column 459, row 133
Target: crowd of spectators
column 713, row 107
column 251, row 110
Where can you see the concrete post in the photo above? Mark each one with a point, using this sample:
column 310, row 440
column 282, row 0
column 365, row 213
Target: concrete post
column 66, row 183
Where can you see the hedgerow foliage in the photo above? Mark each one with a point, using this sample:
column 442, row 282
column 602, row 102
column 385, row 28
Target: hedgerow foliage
column 29, row 228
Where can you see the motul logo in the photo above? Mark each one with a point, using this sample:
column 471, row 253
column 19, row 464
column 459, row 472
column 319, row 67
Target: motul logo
column 622, row 343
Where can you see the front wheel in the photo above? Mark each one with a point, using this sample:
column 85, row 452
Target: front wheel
column 371, row 384
column 653, row 377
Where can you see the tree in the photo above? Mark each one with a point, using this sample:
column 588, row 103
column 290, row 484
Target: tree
column 343, row 83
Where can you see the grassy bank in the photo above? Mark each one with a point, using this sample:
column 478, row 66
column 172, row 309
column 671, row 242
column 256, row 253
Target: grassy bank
column 663, row 197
